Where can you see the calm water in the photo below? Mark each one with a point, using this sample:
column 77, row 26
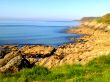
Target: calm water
column 35, row 32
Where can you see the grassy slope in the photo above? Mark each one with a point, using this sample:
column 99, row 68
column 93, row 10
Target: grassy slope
column 97, row 70
column 89, row 18
column 104, row 19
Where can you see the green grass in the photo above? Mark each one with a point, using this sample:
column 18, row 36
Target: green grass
column 104, row 19
column 97, row 70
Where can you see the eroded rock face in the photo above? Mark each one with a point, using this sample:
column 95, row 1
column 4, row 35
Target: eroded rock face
column 48, row 62
column 13, row 62
column 14, row 59
column 12, row 65
column 41, row 51
column 2, row 53
column 97, row 26
column 5, row 49
column 8, row 57
column 9, row 48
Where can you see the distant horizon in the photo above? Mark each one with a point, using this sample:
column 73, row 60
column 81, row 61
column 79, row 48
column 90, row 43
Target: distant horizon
column 48, row 19
column 45, row 19
column 38, row 19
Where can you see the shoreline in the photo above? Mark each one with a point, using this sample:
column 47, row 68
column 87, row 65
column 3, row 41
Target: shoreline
column 93, row 44
column 97, row 38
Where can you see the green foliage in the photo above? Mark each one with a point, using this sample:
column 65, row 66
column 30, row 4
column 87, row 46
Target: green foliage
column 97, row 70
column 89, row 18
column 25, row 75
column 104, row 19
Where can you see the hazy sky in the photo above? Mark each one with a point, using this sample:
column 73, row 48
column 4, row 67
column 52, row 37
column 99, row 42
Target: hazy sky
column 53, row 9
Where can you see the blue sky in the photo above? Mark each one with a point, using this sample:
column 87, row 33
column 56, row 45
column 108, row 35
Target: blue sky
column 53, row 9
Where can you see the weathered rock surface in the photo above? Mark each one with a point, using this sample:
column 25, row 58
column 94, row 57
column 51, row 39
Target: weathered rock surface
column 7, row 49
column 8, row 57
column 2, row 53
column 41, row 51
column 12, row 65
column 95, row 43
column 97, row 26
column 14, row 59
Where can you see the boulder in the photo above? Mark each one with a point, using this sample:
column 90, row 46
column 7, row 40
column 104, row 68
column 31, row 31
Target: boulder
column 9, row 48
column 12, row 64
column 5, row 49
column 2, row 53
column 17, row 63
column 32, row 60
column 107, row 28
column 37, row 51
column 8, row 57
column 25, row 63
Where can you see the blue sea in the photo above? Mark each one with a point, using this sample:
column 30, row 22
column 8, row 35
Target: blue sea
column 31, row 32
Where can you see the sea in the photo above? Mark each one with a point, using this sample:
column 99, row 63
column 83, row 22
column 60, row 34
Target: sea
column 33, row 32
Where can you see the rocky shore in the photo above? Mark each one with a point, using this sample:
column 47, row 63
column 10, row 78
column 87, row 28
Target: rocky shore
column 13, row 58
column 94, row 43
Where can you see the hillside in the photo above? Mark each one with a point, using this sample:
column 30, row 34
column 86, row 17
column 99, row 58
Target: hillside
column 89, row 18
column 104, row 19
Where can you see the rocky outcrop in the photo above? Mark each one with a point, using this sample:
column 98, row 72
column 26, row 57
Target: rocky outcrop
column 14, row 59
column 95, row 25
column 66, row 54
column 8, row 57
column 7, row 49
column 12, row 65
column 2, row 53
column 37, row 51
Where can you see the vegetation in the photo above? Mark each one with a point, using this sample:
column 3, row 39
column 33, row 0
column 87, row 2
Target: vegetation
column 97, row 70
column 104, row 19
column 89, row 18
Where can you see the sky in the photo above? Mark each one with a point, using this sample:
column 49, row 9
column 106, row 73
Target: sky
column 53, row 9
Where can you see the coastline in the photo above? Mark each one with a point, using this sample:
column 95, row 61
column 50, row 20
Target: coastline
column 98, row 39
column 93, row 44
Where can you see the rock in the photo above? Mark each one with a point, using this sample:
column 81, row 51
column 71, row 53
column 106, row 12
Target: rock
column 12, row 64
column 107, row 28
column 2, row 53
column 25, row 63
column 37, row 51
column 7, row 49
column 15, row 64
column 26, row 47
column 8, row 57
column 32, row 60
column 48, row 62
